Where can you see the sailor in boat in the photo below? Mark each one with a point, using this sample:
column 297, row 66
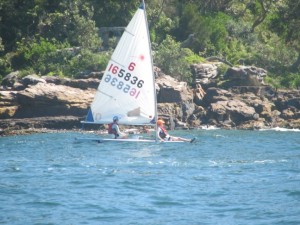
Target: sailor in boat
column 163, row 135
column 145, row 130
column 113, row 128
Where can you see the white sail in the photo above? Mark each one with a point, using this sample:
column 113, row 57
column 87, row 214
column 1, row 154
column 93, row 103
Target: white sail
column 127, row 89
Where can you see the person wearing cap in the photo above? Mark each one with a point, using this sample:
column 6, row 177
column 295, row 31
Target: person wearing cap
column 113, row 128
column 163, row 135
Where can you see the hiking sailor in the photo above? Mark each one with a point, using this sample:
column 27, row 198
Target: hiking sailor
column 163, row 135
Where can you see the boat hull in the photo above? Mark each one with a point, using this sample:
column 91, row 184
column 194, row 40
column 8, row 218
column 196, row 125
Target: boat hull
column 103, row 140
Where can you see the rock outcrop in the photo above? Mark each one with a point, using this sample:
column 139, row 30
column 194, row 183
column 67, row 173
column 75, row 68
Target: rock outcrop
column 245, row 76
column 203, row 73
column 45, row 99
column 170, row 90
column 60, row 103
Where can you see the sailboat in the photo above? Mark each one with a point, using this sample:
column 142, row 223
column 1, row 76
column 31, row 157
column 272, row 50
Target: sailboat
column 127, row 88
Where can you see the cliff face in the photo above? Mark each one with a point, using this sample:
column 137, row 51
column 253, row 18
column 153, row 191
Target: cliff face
column 51, row 102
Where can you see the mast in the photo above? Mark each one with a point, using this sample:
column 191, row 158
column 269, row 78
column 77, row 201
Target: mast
column 153, row 77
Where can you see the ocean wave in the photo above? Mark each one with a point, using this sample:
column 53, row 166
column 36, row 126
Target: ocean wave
column 280, row 129
column 209, row 128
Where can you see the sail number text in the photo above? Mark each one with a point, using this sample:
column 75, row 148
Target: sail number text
column 124, row 79
column 121, row 86
column 127, row 76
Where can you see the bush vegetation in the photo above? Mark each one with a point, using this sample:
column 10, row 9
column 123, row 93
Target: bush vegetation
column 62, row 37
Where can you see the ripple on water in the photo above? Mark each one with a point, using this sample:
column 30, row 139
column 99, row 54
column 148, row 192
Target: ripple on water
column 226, row 177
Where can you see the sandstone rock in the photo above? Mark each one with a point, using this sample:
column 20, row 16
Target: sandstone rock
column 265, row 91
column 232, row 110
column 256, row 116
column 32, row 80
column 181, row 125
column 263, row 108
column 245, row 76
column 195, row 123
column 288, row 114
column 53, row 100
column 216, row 94
column 8, row 104
column 187, row 110
column 10, row 79
column 253, row 125
column 75, row 83
column 81, row 83
column 292, row 124
column 204, row 72
column 171, row 90
column 288, row 102
column 63, row 122
column 176, row 114
column 8, row 98
column 52, row 79
column 199, row 94
column 241, row 107
column 94, row 74
column 7, row 112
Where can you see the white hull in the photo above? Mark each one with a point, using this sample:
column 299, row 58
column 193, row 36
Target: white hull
column 102, row 140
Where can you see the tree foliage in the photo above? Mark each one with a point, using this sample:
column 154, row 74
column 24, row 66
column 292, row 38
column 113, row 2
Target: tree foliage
column 173, row 59
column 285, row 23
column 62, row 37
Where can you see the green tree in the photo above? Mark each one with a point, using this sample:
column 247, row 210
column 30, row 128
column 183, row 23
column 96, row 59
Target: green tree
column 38, row 54
column 191, row 22
column 71, row 22
column 110, row 13
column 62, row 36
column 15, row 21
column 174, row 60
column 161, row 22
column 285, row 22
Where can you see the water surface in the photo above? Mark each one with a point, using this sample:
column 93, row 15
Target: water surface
column 226, row 177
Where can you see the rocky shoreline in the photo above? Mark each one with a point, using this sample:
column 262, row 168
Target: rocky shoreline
column 238, row 100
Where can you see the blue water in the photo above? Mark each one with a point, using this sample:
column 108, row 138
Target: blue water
column 226, row 177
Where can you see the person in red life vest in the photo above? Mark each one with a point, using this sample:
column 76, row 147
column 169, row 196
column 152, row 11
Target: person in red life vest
column 163, row 135
column 113, row 128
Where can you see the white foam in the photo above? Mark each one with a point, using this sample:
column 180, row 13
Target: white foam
column 280, row 129
column 209, row 128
